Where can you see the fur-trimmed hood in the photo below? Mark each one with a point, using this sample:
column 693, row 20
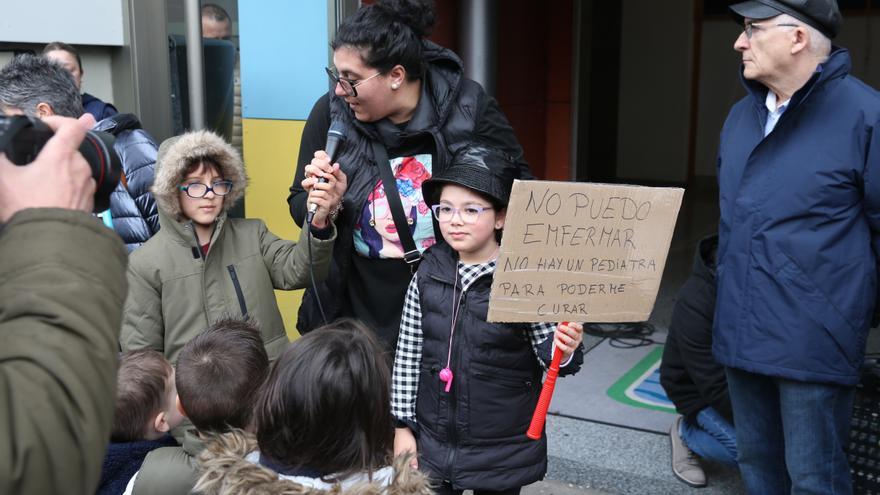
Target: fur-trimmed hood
column 177, row 152
column 224, row 470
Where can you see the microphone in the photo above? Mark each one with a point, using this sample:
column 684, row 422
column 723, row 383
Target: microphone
column 335, row 138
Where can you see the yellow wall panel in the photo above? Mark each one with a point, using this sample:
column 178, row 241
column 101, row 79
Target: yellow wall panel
column 271, row 148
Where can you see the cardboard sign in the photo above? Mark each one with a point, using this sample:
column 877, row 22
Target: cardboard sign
column 582, row 252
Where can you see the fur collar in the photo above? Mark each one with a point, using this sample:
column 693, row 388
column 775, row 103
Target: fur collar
column 223, row 470
column 174, row 155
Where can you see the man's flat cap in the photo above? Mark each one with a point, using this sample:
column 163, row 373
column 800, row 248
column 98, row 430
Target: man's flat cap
column 823, row 15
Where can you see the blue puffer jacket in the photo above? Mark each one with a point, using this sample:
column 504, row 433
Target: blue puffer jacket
column 800, row 230
column 132, row 207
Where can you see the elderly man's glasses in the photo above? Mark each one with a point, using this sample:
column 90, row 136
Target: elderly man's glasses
column 198, row 190
column 751, row 27
column 348, row 85
column 468, row 214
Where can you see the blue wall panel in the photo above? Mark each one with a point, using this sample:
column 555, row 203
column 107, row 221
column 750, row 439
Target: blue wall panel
column 284, row 49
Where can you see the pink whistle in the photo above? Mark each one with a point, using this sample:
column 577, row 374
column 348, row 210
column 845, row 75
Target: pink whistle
column 446, row 376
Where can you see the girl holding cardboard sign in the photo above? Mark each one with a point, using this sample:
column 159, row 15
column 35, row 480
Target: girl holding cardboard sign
column 464, row 387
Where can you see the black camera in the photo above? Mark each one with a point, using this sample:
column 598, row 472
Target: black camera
column 22, row 138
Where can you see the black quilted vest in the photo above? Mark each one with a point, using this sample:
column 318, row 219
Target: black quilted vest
column 475, row 435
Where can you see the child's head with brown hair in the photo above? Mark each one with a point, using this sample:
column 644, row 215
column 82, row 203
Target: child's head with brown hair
column 326, row 403
column 219, row 374
column 146, row 397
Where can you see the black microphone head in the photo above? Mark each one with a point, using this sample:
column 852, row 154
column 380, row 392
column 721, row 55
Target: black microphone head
column 335, row 137
column 337, row 130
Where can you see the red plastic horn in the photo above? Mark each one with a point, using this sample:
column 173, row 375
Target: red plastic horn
column 536, row 428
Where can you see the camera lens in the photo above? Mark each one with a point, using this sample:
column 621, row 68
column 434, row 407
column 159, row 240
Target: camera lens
column 97, row 149
column 22, row 138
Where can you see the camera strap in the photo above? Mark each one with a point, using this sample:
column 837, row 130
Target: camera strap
column 411, row 255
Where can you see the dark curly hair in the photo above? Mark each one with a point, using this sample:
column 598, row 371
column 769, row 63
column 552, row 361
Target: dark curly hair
column 389, row 33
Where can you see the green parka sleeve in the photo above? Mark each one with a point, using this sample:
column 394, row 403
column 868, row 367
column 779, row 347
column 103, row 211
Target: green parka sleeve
column 288, row 261
column 62, row 286
column 143, row 326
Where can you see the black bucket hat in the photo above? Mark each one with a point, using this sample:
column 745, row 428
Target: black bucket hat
column 478, row 167
column 823, row 15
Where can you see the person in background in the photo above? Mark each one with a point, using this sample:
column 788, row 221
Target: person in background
column 68, row 57
column 693, row 380
column 38, row 87
column 62, row 286
column 323, row 424
column 799, row 237
column 408, row 96
column 216, row 23
column 464, row 389
column 219, row 375
column 146, row 411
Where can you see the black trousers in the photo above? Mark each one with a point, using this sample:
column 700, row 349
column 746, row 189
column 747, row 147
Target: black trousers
column 446, row 489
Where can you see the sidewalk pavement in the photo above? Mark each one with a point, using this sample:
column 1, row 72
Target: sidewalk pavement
column 551, row 487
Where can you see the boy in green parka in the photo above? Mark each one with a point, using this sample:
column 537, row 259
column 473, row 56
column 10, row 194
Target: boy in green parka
column 203, row 265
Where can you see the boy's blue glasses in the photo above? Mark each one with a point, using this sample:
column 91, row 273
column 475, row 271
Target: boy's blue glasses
column 468, row 214
column 198, row 190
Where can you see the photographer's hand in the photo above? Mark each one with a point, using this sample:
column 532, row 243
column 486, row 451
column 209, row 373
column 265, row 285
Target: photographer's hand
column 58, row 178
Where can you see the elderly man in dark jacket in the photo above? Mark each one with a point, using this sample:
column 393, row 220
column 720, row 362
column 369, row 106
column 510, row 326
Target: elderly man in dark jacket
column 798, row 170
column 38, row 87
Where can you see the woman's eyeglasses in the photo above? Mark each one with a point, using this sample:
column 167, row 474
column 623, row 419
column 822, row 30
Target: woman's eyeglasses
column 198, row 190
column 468, row 214
column 348, row 85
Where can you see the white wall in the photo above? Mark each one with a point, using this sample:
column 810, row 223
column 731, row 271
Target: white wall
column 94, row 27
column 96, row 61
column 81, row 22
column 655, row 80
column 97, row 78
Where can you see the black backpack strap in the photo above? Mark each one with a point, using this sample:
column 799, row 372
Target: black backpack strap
column 411, row 254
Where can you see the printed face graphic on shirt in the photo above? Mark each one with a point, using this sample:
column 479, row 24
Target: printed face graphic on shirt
column 376, row 235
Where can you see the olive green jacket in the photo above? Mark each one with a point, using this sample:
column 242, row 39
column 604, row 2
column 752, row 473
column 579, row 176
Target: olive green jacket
column 62, row 286
column 170, row 470
column 175, row 293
